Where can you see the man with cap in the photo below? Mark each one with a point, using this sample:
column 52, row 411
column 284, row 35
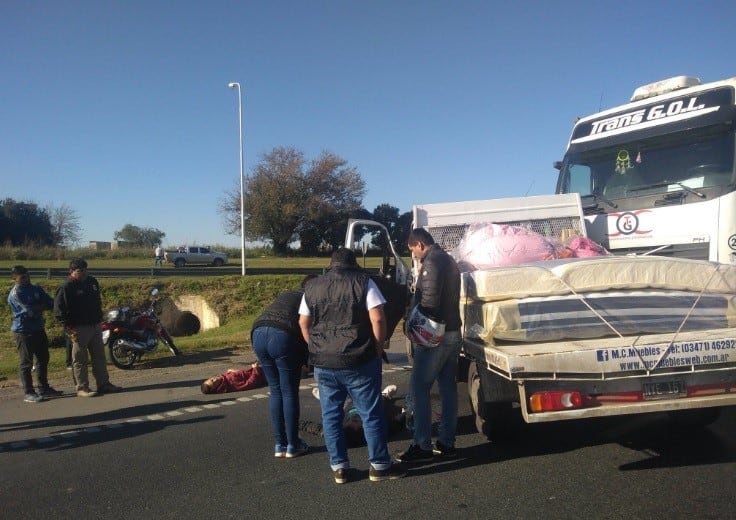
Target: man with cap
column 342, row 319
column 27, row 303
column 78, row 306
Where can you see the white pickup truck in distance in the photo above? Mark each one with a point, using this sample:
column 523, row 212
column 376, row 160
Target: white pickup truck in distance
column 194, row 255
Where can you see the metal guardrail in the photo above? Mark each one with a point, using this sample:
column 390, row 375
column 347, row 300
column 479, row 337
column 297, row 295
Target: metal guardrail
column 162, row 272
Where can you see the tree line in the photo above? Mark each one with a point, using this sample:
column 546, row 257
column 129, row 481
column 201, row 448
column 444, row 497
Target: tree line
column 288, row 199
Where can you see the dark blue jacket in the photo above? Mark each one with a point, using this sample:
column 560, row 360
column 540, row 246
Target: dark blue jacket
column 27, row 302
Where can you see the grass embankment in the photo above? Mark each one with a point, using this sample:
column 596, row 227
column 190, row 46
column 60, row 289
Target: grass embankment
column 236, row 300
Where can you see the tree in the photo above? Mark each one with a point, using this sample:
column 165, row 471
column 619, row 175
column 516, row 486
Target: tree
column 144, row 237
column 23, row 223
column 65, row 225
column 334, row 192
column 286, row 199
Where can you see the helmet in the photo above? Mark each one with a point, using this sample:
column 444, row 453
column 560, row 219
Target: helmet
column 422, row 330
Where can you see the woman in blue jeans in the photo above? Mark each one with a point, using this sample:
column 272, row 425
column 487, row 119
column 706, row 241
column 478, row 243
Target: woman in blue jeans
column 281, row 351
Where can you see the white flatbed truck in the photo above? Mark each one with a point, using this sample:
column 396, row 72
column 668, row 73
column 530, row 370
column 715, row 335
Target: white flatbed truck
column 572, row 379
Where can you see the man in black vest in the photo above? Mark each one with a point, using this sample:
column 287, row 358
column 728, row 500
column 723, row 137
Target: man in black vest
column 341, row 317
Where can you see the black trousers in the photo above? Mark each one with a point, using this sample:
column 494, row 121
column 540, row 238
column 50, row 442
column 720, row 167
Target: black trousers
column 30, row 345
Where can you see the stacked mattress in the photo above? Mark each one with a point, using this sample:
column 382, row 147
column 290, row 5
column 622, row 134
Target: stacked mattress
column 594, row 297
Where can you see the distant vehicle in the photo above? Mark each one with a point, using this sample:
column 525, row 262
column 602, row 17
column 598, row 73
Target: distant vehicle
column 192, row 255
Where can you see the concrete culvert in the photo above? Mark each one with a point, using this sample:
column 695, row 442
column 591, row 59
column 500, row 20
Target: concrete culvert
column 187, row 324
column 187, row 316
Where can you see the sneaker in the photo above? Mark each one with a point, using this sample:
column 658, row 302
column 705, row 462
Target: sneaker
column 444, row 452
column 68, row 367
column 32, row 398
column 109, row 388
column 292, row 452
column 315, row 392
column 49, row 391
column 279, row 451
column 415, row 454
column 341, row 475
column 389, row 391
column 391, row 473
column 85, row 392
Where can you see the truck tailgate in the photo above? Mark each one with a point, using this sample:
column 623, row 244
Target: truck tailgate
column 610, row 358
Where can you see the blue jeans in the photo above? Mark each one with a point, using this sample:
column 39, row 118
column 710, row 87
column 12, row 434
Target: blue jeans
column 363, row 385
column 440, row 364
column 281, row 360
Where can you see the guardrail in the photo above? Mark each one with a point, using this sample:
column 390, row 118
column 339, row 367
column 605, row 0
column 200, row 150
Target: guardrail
column 159, row 272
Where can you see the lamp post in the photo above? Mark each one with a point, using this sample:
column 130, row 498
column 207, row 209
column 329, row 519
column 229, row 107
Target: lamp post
column 242, row 196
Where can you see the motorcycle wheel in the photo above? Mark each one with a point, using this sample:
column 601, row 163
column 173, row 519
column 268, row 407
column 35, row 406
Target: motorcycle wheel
column 120, row 355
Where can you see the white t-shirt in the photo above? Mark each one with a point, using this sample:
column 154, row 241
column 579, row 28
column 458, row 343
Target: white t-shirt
column 374, row 298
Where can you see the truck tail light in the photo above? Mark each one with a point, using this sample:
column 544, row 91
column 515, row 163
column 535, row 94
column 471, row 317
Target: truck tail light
column 555, row 400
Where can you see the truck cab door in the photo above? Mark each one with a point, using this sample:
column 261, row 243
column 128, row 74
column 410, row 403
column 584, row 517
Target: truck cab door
column 393, row 275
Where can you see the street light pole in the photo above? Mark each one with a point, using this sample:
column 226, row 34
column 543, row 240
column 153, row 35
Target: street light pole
column 242, row 195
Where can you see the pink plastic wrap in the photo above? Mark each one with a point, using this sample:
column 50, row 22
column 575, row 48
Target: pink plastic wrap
column 497, row 245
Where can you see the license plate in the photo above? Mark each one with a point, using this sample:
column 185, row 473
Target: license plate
column 664, row 389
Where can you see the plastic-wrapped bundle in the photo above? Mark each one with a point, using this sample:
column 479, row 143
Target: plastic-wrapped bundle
column 499, row 245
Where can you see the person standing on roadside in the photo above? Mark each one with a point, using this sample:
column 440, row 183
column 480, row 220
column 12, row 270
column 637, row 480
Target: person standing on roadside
column 342, row 319
column 281, row 350
column 436, row 300
column 27, row 304
column 78, row 306
column 158, row 256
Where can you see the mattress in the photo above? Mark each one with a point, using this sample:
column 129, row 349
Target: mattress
column 599, row 314
column 581, row 275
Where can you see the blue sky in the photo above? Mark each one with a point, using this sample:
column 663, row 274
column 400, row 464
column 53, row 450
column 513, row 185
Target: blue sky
column 121, row 110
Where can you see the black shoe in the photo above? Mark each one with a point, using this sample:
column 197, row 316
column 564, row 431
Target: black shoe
column 391, row 473
column 109, row 388
column 48, row 391
column 415, row 454
column 444, row 452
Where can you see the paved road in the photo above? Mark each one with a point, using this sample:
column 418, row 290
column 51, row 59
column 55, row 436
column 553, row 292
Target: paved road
column 161, row 449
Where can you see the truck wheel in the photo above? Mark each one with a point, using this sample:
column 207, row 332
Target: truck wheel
column 497, row 421
column 697, row 418
column 179, row 262
column 218, row 262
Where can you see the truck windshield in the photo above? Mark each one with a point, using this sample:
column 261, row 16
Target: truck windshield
column 695, row 158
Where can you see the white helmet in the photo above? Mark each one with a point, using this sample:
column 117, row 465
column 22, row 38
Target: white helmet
column 422, row 330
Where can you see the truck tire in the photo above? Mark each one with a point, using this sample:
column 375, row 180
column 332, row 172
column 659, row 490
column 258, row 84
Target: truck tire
column 217, row 262
column 179, row 262
column 497, row 421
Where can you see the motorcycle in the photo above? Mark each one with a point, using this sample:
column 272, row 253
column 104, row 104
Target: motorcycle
column 130, row 334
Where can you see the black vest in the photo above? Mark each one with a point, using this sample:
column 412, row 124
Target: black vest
column 341, row 335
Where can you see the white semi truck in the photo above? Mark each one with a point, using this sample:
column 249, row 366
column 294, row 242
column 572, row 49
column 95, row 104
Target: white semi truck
column 581, row 338
column 657, row 174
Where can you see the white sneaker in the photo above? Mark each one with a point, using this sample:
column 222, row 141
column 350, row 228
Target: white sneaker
column 389, row 391
column 315, row 392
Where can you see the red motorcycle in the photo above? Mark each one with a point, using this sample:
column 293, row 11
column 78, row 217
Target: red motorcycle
column 130, row 334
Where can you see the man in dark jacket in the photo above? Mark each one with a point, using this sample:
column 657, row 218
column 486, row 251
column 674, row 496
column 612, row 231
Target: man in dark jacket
column 342, row 319
column 27, row 303
column 437, row 301
column 78, row 306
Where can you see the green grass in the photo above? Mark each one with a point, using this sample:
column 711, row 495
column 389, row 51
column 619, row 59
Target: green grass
column 237, row 300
